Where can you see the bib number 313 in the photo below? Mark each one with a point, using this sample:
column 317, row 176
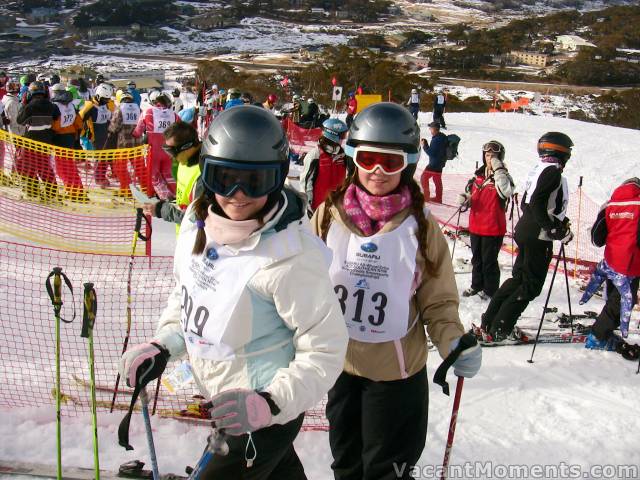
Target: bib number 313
column 377, row 302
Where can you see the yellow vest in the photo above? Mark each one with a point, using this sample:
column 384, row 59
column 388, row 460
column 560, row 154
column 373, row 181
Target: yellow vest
column 185, row 181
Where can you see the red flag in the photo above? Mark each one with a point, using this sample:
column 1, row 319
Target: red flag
column 334, row 81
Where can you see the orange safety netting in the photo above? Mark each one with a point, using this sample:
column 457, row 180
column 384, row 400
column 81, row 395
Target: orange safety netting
column 27, row 342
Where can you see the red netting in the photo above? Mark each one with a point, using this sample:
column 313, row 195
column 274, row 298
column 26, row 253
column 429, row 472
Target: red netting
column 301, row 140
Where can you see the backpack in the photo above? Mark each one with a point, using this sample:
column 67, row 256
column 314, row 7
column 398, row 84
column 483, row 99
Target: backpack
column 452, row 146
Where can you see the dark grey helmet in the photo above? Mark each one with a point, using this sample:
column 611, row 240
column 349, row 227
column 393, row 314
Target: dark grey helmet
column 385, row 123
column 246, row 134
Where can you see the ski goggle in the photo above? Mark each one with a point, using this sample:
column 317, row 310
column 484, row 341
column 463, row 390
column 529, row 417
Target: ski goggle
column 390, row 161
column 491, row 147
column 176, row 149
column 254, row 179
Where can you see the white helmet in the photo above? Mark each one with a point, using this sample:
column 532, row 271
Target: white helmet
column 311, row 100
column 413, row 90
column 58, row 87
column 153, row 95
column 104, row 90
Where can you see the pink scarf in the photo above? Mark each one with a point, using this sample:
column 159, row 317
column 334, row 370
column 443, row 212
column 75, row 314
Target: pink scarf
column 368, row 212
column 225, row 231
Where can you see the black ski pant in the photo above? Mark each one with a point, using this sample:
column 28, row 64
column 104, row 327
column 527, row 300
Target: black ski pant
column 529, row 273
column 377, row 429
column 609, row 318
column 438, row 116
column 275, row 457
column 485, row 274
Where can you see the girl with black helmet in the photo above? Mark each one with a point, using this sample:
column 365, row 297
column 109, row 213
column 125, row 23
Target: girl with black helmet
column 393, row 276
column 487, row 195
column 544, row 207
column 253, row 307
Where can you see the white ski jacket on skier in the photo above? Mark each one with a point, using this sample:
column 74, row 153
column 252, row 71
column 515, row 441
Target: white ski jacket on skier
column 283, row 330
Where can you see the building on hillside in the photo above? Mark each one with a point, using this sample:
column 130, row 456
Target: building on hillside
column 213, row 19
column 134, row 75
column 396, row 40
column 133, row 31
column 535, row 59
column 42, row 15
column 572, row 43
column 627, row 55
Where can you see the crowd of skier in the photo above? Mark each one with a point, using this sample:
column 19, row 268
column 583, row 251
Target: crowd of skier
column 282, row 296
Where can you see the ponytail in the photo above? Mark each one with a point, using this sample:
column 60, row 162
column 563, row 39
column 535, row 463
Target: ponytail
column 201, row 211
column 417, row 210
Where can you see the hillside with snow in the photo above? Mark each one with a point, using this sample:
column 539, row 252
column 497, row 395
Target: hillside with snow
column 573, row 409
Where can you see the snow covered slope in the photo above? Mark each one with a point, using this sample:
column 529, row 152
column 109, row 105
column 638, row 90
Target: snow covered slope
column 572, row 408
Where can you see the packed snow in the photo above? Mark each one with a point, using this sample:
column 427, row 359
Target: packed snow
column 571, row 411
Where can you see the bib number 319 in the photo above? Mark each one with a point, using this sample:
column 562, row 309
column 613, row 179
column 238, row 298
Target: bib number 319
column 377, row 302
column 198, row 318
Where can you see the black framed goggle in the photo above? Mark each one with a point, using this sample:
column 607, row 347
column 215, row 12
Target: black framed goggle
column 491, row 147
column 254, row 179
column 176, row 149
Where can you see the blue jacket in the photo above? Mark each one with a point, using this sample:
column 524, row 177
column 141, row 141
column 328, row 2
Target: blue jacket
column 135, row 94
column 437, row 152
column 234, row 102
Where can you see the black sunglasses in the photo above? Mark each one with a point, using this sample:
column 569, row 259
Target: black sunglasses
column 175, row 150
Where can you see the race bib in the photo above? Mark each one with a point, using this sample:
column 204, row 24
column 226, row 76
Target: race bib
column 104, row 114
column 372, row 278
column 162, row 119
column 130, row 113
column 67, row 114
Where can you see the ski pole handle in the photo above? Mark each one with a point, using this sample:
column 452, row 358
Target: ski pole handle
column 467, row 340
column 139, row 217
column 57, row 287
column 90, row 308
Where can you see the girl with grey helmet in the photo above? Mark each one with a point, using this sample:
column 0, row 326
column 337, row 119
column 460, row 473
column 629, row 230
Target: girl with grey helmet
column 392, row 274
column 324, row 166
column 253, row 306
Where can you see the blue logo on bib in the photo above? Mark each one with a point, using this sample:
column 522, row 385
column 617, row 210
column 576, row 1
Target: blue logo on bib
column 363, row 328
column 362, row 283
column 369, row 247
column 212, row 254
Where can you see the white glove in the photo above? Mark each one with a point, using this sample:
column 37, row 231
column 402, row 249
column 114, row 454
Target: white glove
column 463, row 199
column 496, row 164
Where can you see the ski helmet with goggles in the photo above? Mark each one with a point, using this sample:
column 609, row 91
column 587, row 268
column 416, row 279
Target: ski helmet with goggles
column 104, row 91
column 153, row 95
column 36, row 88
column 272, row 99
column 245, row 149
column 334, row 130
column 555, row 144
column 495, row 147
column 385, row 134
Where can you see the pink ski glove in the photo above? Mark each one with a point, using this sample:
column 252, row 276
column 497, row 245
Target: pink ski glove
column 242, row 410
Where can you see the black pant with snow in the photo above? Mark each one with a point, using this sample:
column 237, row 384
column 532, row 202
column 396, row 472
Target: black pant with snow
column 485, row 275
column 275, row 457
column 609, row 318
column 438, row 116
column 377, row 429
column 513, row 296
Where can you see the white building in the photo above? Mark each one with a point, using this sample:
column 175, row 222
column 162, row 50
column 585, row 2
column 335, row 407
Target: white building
column 572, row 43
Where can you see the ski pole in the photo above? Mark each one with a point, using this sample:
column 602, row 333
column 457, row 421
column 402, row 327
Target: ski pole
column 453, row 249
column 88, row 322
column 144, row 400
column 216, row 445
column 451, row 217
column 575, row 261
column 566, row 281
column 55, row 295
column 134, row 243
column 546, row 304
column 452, row 427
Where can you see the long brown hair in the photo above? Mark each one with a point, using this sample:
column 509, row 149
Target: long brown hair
column 417, row 210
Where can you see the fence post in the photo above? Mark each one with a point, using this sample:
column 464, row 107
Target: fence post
column 575, row 260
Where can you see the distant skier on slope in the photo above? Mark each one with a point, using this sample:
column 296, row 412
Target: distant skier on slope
column 253, row 306
column 544, row 207
column 617, row 228
column 393, row 276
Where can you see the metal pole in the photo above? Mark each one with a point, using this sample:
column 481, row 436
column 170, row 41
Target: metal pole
column 452, row 427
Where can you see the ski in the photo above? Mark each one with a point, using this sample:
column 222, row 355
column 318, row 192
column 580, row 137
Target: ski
column 135, row 469
column 524, row 337
column 74, row 473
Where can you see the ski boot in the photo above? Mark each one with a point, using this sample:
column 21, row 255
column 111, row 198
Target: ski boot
column 628, row 351
column 610, row 344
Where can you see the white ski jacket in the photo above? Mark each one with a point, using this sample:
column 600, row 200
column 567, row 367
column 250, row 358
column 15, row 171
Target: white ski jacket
column 286, row 330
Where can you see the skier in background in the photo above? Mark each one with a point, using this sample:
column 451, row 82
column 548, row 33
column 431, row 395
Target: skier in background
column 617, row 228
column 376, row 222
column 265, row 337
column 487, row 195
column 414, row 103
column 437, row 153
column 352, row 108
column 439, row 105
column 544, row 206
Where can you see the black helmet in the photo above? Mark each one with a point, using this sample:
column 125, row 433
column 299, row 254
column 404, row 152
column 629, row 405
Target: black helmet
column 495, row 147
column 555, row 144
column 245, row 138
column 389, row 124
